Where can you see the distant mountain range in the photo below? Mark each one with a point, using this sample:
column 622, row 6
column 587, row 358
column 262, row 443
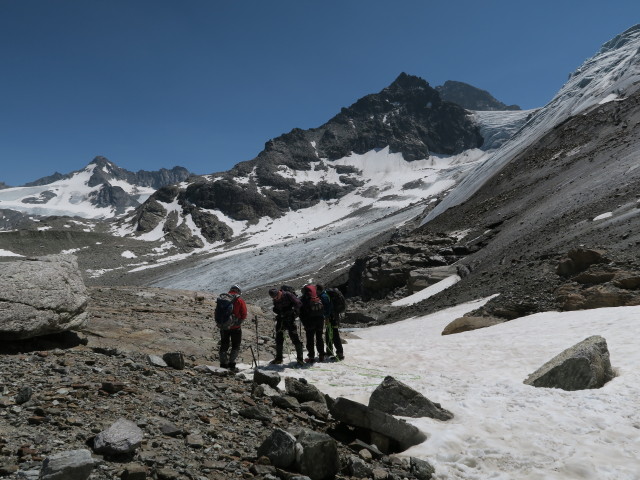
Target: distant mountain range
column 100, row 190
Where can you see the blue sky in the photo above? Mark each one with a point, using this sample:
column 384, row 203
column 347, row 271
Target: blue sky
column 205, row 83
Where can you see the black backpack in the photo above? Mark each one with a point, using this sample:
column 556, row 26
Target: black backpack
column 287, row 288
column 224, row 311
column 337, row 300
column 315, row 308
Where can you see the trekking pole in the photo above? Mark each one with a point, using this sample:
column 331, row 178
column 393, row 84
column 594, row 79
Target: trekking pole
column 254, row 357
column 255, row 319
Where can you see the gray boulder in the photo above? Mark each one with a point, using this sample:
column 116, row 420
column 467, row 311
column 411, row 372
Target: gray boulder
column 174, row 360
column 122, row 437
column 69, row 465
column 266, row 377
column 421, row 469
column 279, row 448
column 317, row 456
column 40, row 297
column 387, row 432
column 466, row 324
column 396, row 398
column 586, row 365
column 302, row 391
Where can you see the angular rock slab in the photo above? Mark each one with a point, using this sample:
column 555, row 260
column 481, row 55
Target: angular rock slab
column 280, row 448
column 395, row 398
column 41, row 297
column 586, row 365
column 69, row 465
column 122, row 437
column 356, row 414
column 317, row 455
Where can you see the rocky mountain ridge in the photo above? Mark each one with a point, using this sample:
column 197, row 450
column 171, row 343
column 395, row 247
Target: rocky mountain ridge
column 408, row 117
column 470, row 97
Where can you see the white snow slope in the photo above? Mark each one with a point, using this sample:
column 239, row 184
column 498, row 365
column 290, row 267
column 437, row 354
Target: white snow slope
column 611, row 74
column 503, row 429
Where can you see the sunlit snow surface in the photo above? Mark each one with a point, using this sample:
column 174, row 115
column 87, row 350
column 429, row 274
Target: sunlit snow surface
column 502, row 428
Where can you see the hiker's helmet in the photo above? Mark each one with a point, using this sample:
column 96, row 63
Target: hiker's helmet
column 235, row 288
column 319, row 287
column 273, row 292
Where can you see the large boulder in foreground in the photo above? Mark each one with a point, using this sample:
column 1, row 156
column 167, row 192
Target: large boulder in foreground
column 584, row 366
column 40, row 297
column 388, row 433
column 395, row 398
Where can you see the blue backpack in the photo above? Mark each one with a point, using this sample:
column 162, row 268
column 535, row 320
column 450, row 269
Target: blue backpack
column 224, row 311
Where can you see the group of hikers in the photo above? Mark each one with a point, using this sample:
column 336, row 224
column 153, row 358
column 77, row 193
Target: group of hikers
column 318, row 308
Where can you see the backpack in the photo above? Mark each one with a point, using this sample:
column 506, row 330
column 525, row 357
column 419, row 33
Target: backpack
column 337, row 300
column 224, row 311
column 287, row 288
column 316, row 308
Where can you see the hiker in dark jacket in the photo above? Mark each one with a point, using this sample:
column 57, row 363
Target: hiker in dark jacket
column 232, row 335
column 312, row 317
column 286, row 306
column 332, row 324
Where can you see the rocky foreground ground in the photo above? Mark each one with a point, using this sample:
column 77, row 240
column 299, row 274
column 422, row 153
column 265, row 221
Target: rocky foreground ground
column 57, row 394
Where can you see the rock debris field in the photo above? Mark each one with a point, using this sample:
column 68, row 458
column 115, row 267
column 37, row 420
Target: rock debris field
column 98, row 404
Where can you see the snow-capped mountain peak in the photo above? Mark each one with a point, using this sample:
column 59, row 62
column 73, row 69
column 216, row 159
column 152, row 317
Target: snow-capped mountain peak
column 100, row 190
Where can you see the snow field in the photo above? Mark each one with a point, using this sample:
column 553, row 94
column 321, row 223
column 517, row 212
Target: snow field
column 504, row 429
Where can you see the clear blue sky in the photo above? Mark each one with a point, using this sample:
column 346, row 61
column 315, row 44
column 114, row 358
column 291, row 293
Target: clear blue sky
column 205, row 83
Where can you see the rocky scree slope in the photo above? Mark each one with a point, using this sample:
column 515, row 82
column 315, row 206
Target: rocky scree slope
column 408, row 117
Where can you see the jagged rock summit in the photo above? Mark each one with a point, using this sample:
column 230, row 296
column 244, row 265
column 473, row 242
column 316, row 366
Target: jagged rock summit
column 301, row 168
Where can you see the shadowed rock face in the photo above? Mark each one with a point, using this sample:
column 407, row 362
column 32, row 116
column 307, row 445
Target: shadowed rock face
column 585, row 365
column 471, row 97
column 41, row 297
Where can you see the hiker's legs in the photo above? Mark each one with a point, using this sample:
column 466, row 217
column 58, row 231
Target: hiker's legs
column 295, row 339
column 319, row 331
column 279, row 338
column 236, row 340
column 337, row 341
column 310, row 333
column 225, row 341
column 328, row 335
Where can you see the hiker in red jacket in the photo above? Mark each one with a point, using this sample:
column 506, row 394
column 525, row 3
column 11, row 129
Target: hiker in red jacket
column 231, row 311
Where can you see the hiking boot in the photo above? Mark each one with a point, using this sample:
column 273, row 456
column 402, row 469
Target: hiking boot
column 321, row 357
column 309, row 360
column 340, row 356
column 300, row 361
column 231, row 365
column 276, row 361
column 224, row 365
